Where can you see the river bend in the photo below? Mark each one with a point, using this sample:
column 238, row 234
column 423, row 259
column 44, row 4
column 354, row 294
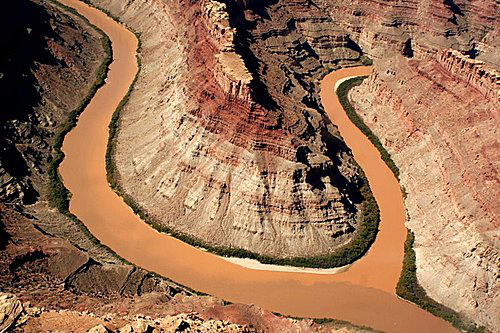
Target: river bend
column 364, row 294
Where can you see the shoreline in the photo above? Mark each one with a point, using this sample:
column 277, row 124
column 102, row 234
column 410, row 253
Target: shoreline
column 257, row 265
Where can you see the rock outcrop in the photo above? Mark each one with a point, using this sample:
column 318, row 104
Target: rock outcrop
column 436, row 111
column 224, row 140
column 42, row 320
column 10, row 310
column 47, row 66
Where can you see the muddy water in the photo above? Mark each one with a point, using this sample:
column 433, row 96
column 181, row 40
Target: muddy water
column 363, row 294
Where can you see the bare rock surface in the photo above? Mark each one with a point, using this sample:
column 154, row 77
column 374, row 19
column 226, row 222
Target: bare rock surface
column 10, row 310
column 435, row 109
column 230, row 146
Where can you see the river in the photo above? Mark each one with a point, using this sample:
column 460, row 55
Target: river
column 364, row 294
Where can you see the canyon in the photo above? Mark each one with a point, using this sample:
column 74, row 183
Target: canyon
column 53, row 274
column 224, row 139
column 447, row 48
column 267, row 174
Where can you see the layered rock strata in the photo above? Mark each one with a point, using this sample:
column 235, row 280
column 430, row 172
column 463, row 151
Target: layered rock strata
column 244, row 116
column 445, row 143
column 433, row 100
column 226, row 143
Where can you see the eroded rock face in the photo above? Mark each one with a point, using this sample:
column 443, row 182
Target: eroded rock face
column 47, row 66
column 436, row 112
column 223, row 139
column 444, row 140
column 433, row 100
column 10, row 310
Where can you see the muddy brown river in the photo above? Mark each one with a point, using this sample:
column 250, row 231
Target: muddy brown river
column 364, row 294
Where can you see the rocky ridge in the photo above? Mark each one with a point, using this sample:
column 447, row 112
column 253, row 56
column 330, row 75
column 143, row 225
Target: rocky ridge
column 433, row 100
column 267, row 174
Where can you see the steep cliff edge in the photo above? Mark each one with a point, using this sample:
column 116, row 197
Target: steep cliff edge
column 435, row 109
column 445, row 144
column 223, row 139
column 45, row 56
column 62, row 279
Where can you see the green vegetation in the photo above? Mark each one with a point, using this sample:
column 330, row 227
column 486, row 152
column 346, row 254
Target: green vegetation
column 365, row 60
column 342, row 92
column 408, row 286
column 58, row 194
column 337, row 323
column 409, row 289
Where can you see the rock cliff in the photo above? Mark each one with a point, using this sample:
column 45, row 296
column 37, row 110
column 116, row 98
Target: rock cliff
column 44, row 57
column 435, row 109
column 232, row 147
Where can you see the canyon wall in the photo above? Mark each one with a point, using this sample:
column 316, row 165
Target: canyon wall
column 226, row 143
column 433, row 100
column 444, row 140
column 44, row 57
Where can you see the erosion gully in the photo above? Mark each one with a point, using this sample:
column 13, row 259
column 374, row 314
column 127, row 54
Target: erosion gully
column 363, row 294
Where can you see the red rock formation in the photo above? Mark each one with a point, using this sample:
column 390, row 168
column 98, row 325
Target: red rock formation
column 438, row 117
column 236, row 163
column 473, row 72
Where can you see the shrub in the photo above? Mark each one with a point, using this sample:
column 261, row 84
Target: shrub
column 365, row 60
